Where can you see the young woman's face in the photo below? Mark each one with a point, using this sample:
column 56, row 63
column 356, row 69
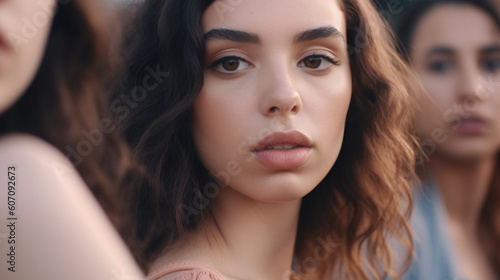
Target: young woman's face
column 269, row 120
column 24, row 28
column 456, row 52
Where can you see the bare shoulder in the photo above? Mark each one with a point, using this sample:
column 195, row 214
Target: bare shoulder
column 58, row 230
column 26, row 144
column 36, row 156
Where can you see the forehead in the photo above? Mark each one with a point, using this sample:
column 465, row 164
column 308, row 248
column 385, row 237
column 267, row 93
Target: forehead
column 272, row 16
column 455, row 25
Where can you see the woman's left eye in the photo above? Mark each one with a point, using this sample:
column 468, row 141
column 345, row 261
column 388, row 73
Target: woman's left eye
column 318, row 62
column 491, row 65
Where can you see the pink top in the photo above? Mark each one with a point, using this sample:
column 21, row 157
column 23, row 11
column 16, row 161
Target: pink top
column 189, row 270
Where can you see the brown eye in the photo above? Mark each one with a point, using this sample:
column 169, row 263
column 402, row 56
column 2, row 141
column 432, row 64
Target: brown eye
column 312, row 62
column 230, row 64
column 318, row 63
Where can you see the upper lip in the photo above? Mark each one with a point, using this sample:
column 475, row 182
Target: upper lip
column 474, row 118
column 294, row 138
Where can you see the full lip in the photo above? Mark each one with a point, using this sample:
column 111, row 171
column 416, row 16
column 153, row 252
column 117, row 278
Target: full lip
column 283, row 150
column 294, row 138
column 472, row 124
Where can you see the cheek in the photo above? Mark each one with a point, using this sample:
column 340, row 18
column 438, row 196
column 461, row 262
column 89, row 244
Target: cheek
column 325, row 107
column 435, row 103
column 328, row 99
column 440, row 90
column 495, row 105
column 219, row 120
column 222, row 107
column 27, row 26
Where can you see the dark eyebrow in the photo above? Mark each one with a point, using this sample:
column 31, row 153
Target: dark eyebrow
column 232, row 35
column 449, row 51
column 440, row 50
column 316, row 33
column 246, row 37
column 491, row 49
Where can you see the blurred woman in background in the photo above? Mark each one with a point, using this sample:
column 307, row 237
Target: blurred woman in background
column 56, row 62
column 454, row 46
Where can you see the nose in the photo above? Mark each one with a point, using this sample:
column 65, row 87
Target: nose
column 280, row 96
column 469, row 83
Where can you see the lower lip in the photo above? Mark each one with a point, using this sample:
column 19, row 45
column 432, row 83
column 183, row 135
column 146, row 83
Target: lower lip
column 283, row 159
column 472, row 127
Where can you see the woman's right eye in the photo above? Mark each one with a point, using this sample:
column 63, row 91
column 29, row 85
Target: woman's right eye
column 229, row 65
column 441, row 66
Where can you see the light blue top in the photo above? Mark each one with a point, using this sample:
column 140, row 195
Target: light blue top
column 434, row 258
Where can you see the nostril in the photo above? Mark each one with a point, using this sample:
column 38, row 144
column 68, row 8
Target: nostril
column 274, row 109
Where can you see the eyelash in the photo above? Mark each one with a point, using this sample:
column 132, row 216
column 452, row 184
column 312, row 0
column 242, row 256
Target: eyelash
column 230, row 73
column 329, row 59
column 226, row 58
column 332, row 60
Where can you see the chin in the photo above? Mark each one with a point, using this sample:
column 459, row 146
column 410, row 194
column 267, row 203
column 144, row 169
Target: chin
column 469, row 151
column 289, row 187
column 284, row 194
column 283, row 187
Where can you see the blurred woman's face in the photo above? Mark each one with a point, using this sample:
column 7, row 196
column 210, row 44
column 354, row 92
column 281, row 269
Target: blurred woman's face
column 456, row 52
column 269, row 120
column 24, row 29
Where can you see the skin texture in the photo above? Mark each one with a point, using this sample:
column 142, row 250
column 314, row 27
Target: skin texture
column 24, row 29
column 92, row 248
column 462, row 83
column 273, row 91
column 273, row 88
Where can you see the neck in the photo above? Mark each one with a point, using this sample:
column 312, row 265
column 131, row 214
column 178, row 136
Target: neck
column 464, row 186
column 252, row 240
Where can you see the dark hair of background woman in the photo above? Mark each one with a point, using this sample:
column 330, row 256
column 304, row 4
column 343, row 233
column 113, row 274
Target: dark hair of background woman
column 364, row 198
column 70, row 94
column 489, row 225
